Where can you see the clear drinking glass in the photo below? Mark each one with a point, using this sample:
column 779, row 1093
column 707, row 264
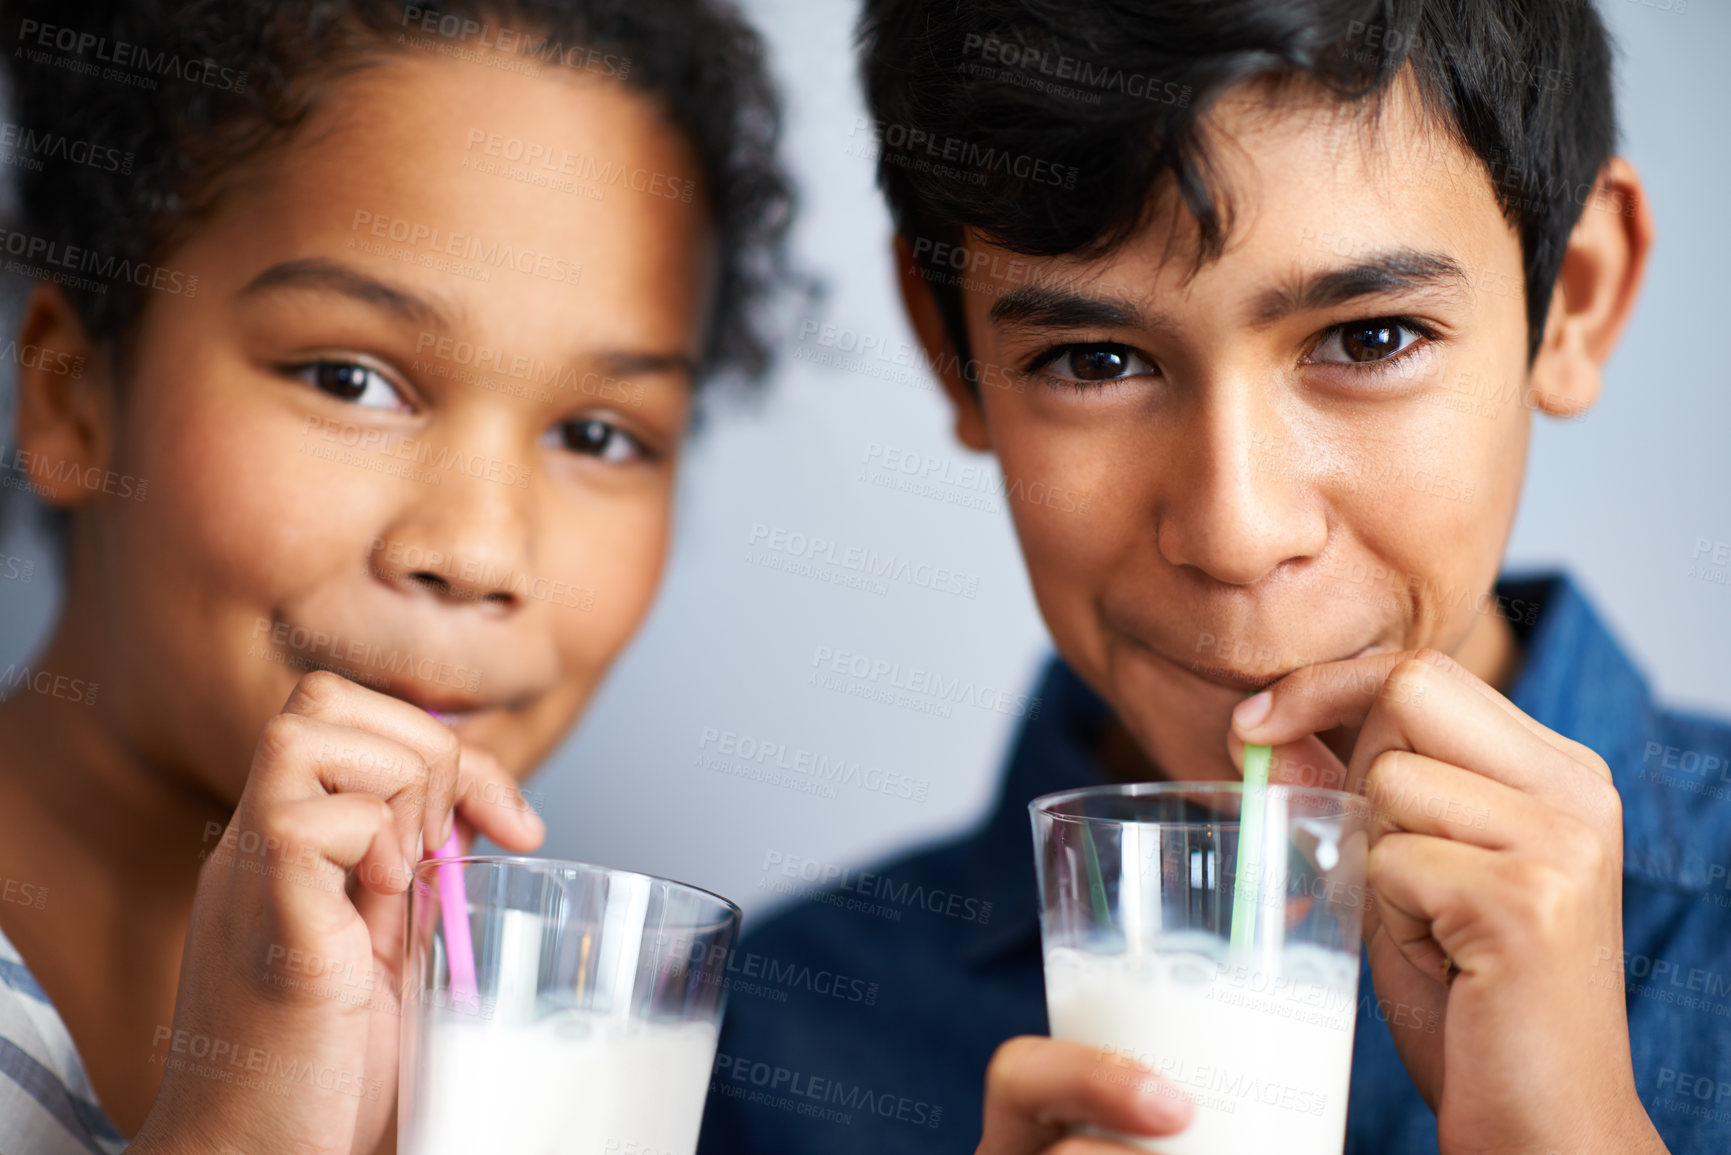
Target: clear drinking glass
column 592, row 1024
column 1214, row 944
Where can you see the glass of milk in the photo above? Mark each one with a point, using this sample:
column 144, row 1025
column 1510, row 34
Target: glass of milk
column 1139, row 885
column 593, row 1021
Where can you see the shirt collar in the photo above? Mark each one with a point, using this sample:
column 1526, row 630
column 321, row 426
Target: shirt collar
column 1575, row 679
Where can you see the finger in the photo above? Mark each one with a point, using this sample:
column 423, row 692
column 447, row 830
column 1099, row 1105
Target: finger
column 1036, row 1088
column 332, row 698
column 1433, row 707
column 1410, row 908
column 1424, row 702
column 1330, row 695
column 1421, row 795
column 1479, row 907
column 489, row 798
column 317, row 841
column 386, row 917
column 298, row 755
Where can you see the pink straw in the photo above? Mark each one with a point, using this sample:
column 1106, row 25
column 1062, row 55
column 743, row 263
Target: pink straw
column 454, row 903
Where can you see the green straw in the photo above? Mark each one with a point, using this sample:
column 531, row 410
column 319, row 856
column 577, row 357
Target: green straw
column 1250, row 823
column 1096, row 882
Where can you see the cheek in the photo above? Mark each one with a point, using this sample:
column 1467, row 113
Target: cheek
column 1072, row 502
column 612, row 556
column 1437, row 511
column 242, row 507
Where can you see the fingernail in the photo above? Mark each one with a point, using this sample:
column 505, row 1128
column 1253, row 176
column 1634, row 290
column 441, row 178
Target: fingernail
column 1251, row 712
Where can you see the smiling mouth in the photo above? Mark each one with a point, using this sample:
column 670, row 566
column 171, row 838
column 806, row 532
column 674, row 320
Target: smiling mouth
column 453, row 709
column 1245, row 682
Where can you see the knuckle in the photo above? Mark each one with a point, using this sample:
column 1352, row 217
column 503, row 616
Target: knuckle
column 1584, row 754
column 281, row 736
column 318, row 688
column 1542, row 897
column 1406, row 682
column 420, row 785
column 284, row 830
column 1581, row 849
column 448, row 745
column 416, row 769
column 1607, row 805
column 1389, row 776
column 1429, row 658
column 1382, row 858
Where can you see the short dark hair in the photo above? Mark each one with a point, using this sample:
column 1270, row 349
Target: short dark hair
column 185, row 90
column 1045, row 126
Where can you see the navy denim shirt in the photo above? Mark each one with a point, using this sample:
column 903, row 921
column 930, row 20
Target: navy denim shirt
column 862, row 1016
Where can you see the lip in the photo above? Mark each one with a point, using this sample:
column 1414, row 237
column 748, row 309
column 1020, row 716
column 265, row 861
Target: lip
column 1244, row 682
column 453, row 709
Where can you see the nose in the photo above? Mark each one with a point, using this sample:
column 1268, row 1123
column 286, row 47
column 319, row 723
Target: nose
column 1245, row 488
column 464, row 541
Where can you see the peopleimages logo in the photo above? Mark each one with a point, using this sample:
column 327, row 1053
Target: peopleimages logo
column 730, row 750
column 827, row 660
column 466, row 246
column 821, row 876
column 749, row 971
column 63, row 262
column 27, row 147
column 815, row 549
column 123, row 55
column 808, row 1094
column 977, row 160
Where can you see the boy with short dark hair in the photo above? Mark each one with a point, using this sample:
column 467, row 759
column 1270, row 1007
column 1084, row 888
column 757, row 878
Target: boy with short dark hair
column 1287, row 326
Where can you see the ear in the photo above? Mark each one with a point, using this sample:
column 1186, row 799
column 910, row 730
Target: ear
column 64, row 418
column 1595, row 292
column 928, row 325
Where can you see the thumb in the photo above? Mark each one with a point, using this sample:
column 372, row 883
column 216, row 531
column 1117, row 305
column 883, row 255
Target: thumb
column 489, row 799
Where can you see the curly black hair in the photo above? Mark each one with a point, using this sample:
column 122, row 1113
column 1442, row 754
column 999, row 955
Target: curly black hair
column 1108, row 98
column 161, row 98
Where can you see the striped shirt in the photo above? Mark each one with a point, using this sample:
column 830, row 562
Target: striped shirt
column 46, row 1104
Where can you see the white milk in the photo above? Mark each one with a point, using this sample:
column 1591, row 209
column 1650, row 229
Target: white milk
column 1265, row 1058
column 570, row 1085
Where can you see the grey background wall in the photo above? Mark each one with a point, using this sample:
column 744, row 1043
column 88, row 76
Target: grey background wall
column 731, row 657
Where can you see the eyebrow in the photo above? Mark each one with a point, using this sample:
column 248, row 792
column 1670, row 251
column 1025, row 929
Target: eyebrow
column 1380, row 274
column 321, row 275
column 1044, row 307
column 626, row 363
column 1395, row 271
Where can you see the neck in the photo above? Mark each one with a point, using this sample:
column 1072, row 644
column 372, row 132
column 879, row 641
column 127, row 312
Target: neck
column 113, row 838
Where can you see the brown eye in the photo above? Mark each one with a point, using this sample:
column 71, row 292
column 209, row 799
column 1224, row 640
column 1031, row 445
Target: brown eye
column 596, row 438
column 1107, row 362
column 352, row 381
column 1371, row 342
column 346, row 381
column 1366, row 342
